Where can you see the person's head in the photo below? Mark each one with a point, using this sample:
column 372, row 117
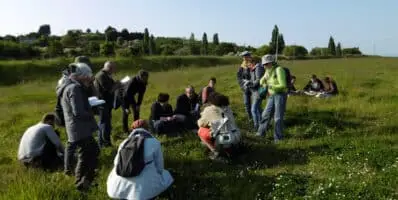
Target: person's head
column 143, row 75
column 246, row 55
column 81, row 72
column 189, row 91
column 313, row 77
column 328, row 79
column 110, row 67
column 268, row 60
column 140, row 123
column 83, row 59
column 163, row 98
column 212, row 81
column 48, row 118
column 218, row 99
column 293, row 80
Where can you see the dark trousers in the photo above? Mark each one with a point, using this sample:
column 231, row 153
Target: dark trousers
column 48, row 160
column 136, row 115
column 165, row 127
column 105, row 125
column 88, row 152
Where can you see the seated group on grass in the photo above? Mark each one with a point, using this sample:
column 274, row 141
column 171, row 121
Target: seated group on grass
column 315, row 87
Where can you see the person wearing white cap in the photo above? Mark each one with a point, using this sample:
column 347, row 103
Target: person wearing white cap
column 248, row 76
column 275, row 81
column 80, row 124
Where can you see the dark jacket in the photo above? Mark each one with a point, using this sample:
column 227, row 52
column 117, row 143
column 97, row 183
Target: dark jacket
column 105, row 84
column 79, row 118
column 134, row 86
column 252, row 76
column 158, row 111
column 309, row 87
column 186, row 106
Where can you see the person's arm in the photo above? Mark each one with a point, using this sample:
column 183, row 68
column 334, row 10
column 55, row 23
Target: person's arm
column 281, row 76
column 158, row 159
column 106, row 82
column 76, row 101
column 259, row 74
column 154, row 112
column 54, row 138
column 239, row 77
column 204, row 94
column 263, row 80
column 322, row 86
column 331, row 89
column 308, row 86
column 178, row 105
column 141, row 95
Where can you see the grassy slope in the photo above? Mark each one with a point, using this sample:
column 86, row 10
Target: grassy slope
column 339, row 148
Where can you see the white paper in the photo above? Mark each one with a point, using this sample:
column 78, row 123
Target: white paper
column 125, row 79
column 94, row 101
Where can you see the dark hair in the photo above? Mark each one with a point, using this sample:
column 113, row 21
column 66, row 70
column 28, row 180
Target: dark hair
column 313, row 76
column 143, row 73
column 218, row 99
column 163, row 97
column 293, row 77
column 48, row 117
column 213, row 79
column 328, row 78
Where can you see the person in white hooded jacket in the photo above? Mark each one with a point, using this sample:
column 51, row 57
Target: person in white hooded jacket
column 153, row 179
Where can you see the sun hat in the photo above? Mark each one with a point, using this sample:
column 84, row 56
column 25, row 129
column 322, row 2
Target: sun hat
column 268, row 58
column 245, row 53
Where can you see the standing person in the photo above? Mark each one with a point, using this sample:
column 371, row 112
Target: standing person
column 275, row 79
column 80, row 125
column 106, row 86
column 41, row 146
column 91, row 91
column 136, row 85
column 206, row 91
column 249, row 75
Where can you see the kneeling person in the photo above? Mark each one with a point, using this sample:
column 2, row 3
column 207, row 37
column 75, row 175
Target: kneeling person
column 41, row 146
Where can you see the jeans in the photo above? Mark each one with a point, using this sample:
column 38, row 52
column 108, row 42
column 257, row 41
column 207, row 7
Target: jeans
column 276, row 106
column 136, row 114
column 87, row 161
column 256, row 109
column 247, row 101
column 105, row 125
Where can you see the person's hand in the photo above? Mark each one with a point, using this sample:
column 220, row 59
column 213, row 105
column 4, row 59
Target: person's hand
column 127, row 111
column 169, row 118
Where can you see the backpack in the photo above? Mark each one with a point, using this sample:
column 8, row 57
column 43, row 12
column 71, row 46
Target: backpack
column 288, row 77
column 131, row 156
column 59, row 112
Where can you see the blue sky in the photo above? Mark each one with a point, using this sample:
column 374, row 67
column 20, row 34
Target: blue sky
column 368, row 24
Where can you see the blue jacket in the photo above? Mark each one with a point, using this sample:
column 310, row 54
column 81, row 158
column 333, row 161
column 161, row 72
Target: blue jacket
column 250, row 75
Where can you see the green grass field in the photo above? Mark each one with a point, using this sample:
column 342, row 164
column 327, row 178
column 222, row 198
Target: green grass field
column 340, row 148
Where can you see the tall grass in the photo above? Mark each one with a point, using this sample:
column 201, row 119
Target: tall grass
column 340, row 148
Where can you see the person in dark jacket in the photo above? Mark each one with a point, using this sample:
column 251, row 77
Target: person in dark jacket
column 106, row 86
column 91, row 90
column 206, row 91
column 80, row 125
column 136, row 85
column 314, row 86
column 162, row 117
column 330, row 89
column 187, row 108
column 249, row 74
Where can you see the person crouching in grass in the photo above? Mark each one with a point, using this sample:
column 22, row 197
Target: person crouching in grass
column 40, row 145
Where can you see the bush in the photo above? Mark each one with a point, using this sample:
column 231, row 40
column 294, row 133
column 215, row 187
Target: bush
column 107, row 49
column 295, row 51
column 13, row 50
column 124, row 52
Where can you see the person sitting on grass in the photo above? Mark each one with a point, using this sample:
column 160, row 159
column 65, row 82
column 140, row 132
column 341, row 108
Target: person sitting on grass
column 215, row 112
column 187, row 108
column 40, row 145
column 162, row 117
column 331, row 88
column 314, row 86
column 292, row 89
column 206, row 91
column 152, row 181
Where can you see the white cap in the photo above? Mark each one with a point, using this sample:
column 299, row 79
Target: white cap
column 267, row 59
column 82, row 69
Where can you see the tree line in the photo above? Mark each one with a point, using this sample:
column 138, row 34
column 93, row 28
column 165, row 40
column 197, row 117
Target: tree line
column 112, row 42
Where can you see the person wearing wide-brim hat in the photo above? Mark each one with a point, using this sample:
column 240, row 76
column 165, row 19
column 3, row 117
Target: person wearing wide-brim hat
column 275, row 81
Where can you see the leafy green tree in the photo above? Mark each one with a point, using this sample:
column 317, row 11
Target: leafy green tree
column 70, row 40
column 263, row 50
column 319, row 51
column 338, row 50
column 352, row 51
column 125, row 34
column 152, row 45
column 107, row 49
column 45, row 30
column 215, row 39
column 93, row 48
column 55, row 48
column 295, row 51
column 120, row 41
column 145, row 42
column 193, row 45
column 332, row 46
column 205, row 45
column 88, row 30
column 281, row 43
column 110, row 34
